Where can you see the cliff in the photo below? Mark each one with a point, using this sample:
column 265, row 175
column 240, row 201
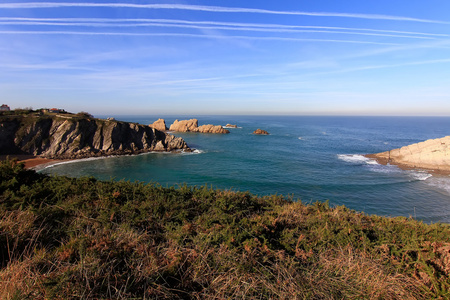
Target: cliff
column 71, row 136
column 432, row 155
column 192, row 126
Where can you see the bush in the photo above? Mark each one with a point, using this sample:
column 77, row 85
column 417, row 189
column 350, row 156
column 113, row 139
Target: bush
column 67, row 238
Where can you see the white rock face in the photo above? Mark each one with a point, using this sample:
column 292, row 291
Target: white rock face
column 431, row 154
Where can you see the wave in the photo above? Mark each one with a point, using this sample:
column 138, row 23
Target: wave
column 195, row 151
column 441, row 182
column 65, row 162
column 419, row 175
column 357, row 159
column 229, row 127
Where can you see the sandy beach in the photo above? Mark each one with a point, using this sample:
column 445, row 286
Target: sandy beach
column 31, row 161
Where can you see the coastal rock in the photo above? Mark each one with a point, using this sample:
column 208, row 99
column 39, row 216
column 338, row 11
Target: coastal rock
column 192, row 126
column 75, row 137
column 211, row 129
column 184, row 125
column 230, row 126
column 160, row 125
column 431, row 155
column 260, row 131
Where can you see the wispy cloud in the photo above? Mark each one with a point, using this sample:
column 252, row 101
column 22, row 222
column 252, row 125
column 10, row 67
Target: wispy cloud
column 215, row 9
column 230, row 26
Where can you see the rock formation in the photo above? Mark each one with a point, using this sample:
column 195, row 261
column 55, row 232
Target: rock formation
column 184, row 125
column 192, row 126
column 160, row 125
column 260, row 131
column 431, row 155
column 212, row 129
column 230, row 126
column 75, row 137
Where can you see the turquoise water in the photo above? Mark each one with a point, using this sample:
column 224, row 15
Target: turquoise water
column 309, row 158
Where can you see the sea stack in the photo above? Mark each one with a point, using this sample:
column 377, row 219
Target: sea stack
column 192, row 126
column 160, row 125
column 433, row 155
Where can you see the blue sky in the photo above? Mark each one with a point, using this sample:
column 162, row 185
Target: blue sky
column 227, row 57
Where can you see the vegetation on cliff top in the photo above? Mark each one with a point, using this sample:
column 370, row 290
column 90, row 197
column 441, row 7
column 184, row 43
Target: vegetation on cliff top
column 67, row 238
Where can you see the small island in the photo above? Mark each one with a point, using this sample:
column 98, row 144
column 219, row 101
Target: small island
column 188, row 126
column 260, row 132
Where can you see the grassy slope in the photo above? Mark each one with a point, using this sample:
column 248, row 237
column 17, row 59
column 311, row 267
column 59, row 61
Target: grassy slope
column 66, row 238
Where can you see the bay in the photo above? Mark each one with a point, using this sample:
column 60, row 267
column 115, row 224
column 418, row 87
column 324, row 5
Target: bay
column 309, row 158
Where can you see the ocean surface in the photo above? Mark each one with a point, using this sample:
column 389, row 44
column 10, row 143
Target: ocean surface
column 309, row 158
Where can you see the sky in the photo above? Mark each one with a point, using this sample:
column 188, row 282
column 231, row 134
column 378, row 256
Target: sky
column 322, row 57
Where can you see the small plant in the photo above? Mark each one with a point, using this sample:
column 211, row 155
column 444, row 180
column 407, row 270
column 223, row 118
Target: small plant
column 71, row 238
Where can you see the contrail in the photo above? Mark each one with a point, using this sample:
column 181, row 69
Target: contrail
column 287, row 39
column 78, row 21
column 216, row 9
column 220, row 28
column 104, row 22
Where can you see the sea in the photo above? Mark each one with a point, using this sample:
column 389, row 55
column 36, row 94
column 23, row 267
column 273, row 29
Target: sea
column 306, row 158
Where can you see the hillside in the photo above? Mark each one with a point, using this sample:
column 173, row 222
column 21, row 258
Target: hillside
column 67, row 238
column 62, row 136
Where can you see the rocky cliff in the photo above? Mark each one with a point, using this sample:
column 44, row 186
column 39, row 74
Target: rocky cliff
column 68, row 136
column 431, row 155
column 192, row 126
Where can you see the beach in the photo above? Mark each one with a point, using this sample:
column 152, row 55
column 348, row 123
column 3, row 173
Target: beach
column 31, row 161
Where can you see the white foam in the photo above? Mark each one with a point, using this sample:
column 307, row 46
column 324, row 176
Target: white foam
column 441, row 182
column 356, row 159
column 71, row 162
column 193, row 152
column 417, row 175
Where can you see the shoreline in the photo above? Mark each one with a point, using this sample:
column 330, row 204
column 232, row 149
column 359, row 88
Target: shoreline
column 32, row 161
column 385, row 161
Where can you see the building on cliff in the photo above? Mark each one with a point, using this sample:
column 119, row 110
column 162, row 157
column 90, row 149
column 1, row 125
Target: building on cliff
column 4, row 107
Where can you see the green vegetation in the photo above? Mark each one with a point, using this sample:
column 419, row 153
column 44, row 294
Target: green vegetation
column 66, row 238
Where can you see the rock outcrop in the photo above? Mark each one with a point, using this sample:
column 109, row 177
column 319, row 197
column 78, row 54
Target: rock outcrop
column 192, row 126
column 74, row 137
column 432, row 155
column 212, row 129
column 231, row 126
column 260, row 131
column 160, row 125
column 184, row 125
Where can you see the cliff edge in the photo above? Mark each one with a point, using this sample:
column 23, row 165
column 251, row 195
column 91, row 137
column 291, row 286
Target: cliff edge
column 433, row 155
column 70, row 136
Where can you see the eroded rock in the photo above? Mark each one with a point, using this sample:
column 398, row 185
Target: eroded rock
column 431, row 155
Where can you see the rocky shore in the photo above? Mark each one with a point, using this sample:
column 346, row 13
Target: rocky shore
column 73, row 137
column 432, row 155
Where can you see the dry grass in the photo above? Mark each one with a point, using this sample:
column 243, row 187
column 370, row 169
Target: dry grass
column 63, row 238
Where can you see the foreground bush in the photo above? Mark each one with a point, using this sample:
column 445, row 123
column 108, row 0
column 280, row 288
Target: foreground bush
column 65, row 238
